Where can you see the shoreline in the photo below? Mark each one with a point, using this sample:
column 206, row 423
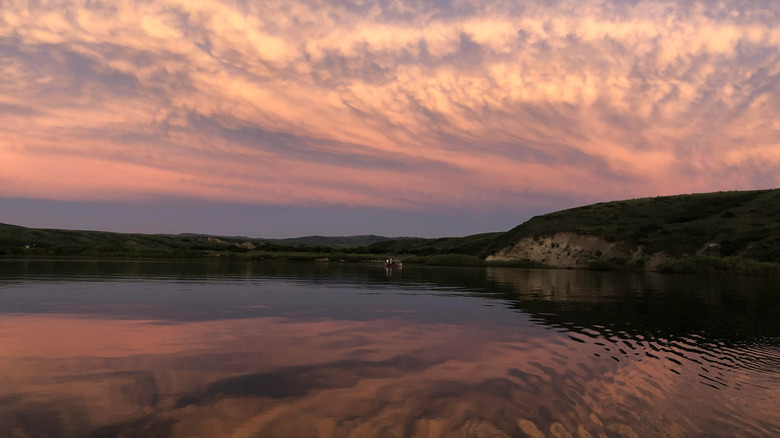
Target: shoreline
column 695, row 265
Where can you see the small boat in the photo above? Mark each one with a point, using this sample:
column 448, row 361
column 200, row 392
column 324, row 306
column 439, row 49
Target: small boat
column 393, row 263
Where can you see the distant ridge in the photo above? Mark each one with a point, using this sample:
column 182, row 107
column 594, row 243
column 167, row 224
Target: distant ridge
column 335, row 241
column 315, row 240
column 21, row 241
column 735, row 231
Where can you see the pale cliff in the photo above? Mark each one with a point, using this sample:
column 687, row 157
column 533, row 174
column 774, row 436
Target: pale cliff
column 572, row 250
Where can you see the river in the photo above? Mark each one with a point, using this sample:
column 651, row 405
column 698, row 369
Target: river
column 233, row 349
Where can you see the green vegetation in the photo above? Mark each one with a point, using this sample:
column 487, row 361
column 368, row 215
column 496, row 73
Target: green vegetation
column 716, row 265
column 469, row 245
column 711, row 232
column 331, row 242
column 16, row 241
column 30, row 242
column 445, row 260
column 720, row 224
column 736, row 232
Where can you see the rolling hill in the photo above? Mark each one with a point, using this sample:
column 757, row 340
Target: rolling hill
column 724, row 231
column 650, row 232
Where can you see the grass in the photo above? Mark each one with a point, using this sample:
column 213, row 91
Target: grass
column 308, row 256
column 710, row 232
column 31, row 242
column 719, row 265
column 743, row 223
column 469, row 245
column 331, row 242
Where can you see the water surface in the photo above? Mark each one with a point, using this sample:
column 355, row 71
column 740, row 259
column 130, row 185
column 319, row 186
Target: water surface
column 175, row 349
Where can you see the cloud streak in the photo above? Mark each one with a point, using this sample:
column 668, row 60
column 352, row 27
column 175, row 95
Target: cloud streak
column 407, row 104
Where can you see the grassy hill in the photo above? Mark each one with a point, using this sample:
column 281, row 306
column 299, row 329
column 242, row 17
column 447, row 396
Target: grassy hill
column 17, row 241
column 469, row 245
column 23, row 241
column 334, row 241
column 724, row 231
column 743, row 224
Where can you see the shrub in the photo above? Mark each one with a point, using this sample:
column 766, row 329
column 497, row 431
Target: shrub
column 710, row 265
column 454, row 260
column 613, row 264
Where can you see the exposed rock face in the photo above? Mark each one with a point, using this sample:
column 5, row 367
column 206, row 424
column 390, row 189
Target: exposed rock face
column 656, row 259
column 247, row 245
column 572, row 250
column 562, row 250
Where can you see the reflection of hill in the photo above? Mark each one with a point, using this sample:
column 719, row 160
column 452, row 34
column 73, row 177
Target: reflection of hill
column 729, row 309
column 209, row 349
column 726, row 308
column 723, row 311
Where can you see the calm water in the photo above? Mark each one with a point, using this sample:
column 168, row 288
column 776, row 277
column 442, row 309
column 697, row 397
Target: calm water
column 134, row 349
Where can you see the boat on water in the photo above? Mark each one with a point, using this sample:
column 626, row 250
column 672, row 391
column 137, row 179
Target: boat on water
column 393, row 263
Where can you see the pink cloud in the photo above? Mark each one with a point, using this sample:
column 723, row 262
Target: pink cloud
column 413, row 105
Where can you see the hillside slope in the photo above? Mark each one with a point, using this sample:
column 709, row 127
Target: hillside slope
column 724, row 231
column 468, row 245
column 649, row 232
column 333, row 241
column 22, row 241
column 18, row 241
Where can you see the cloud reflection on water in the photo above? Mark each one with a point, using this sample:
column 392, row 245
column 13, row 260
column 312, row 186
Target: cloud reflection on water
column 334, row 378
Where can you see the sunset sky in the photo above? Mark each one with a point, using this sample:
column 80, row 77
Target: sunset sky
column 282, row 118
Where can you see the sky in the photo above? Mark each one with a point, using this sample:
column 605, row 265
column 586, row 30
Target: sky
column 282, row 118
